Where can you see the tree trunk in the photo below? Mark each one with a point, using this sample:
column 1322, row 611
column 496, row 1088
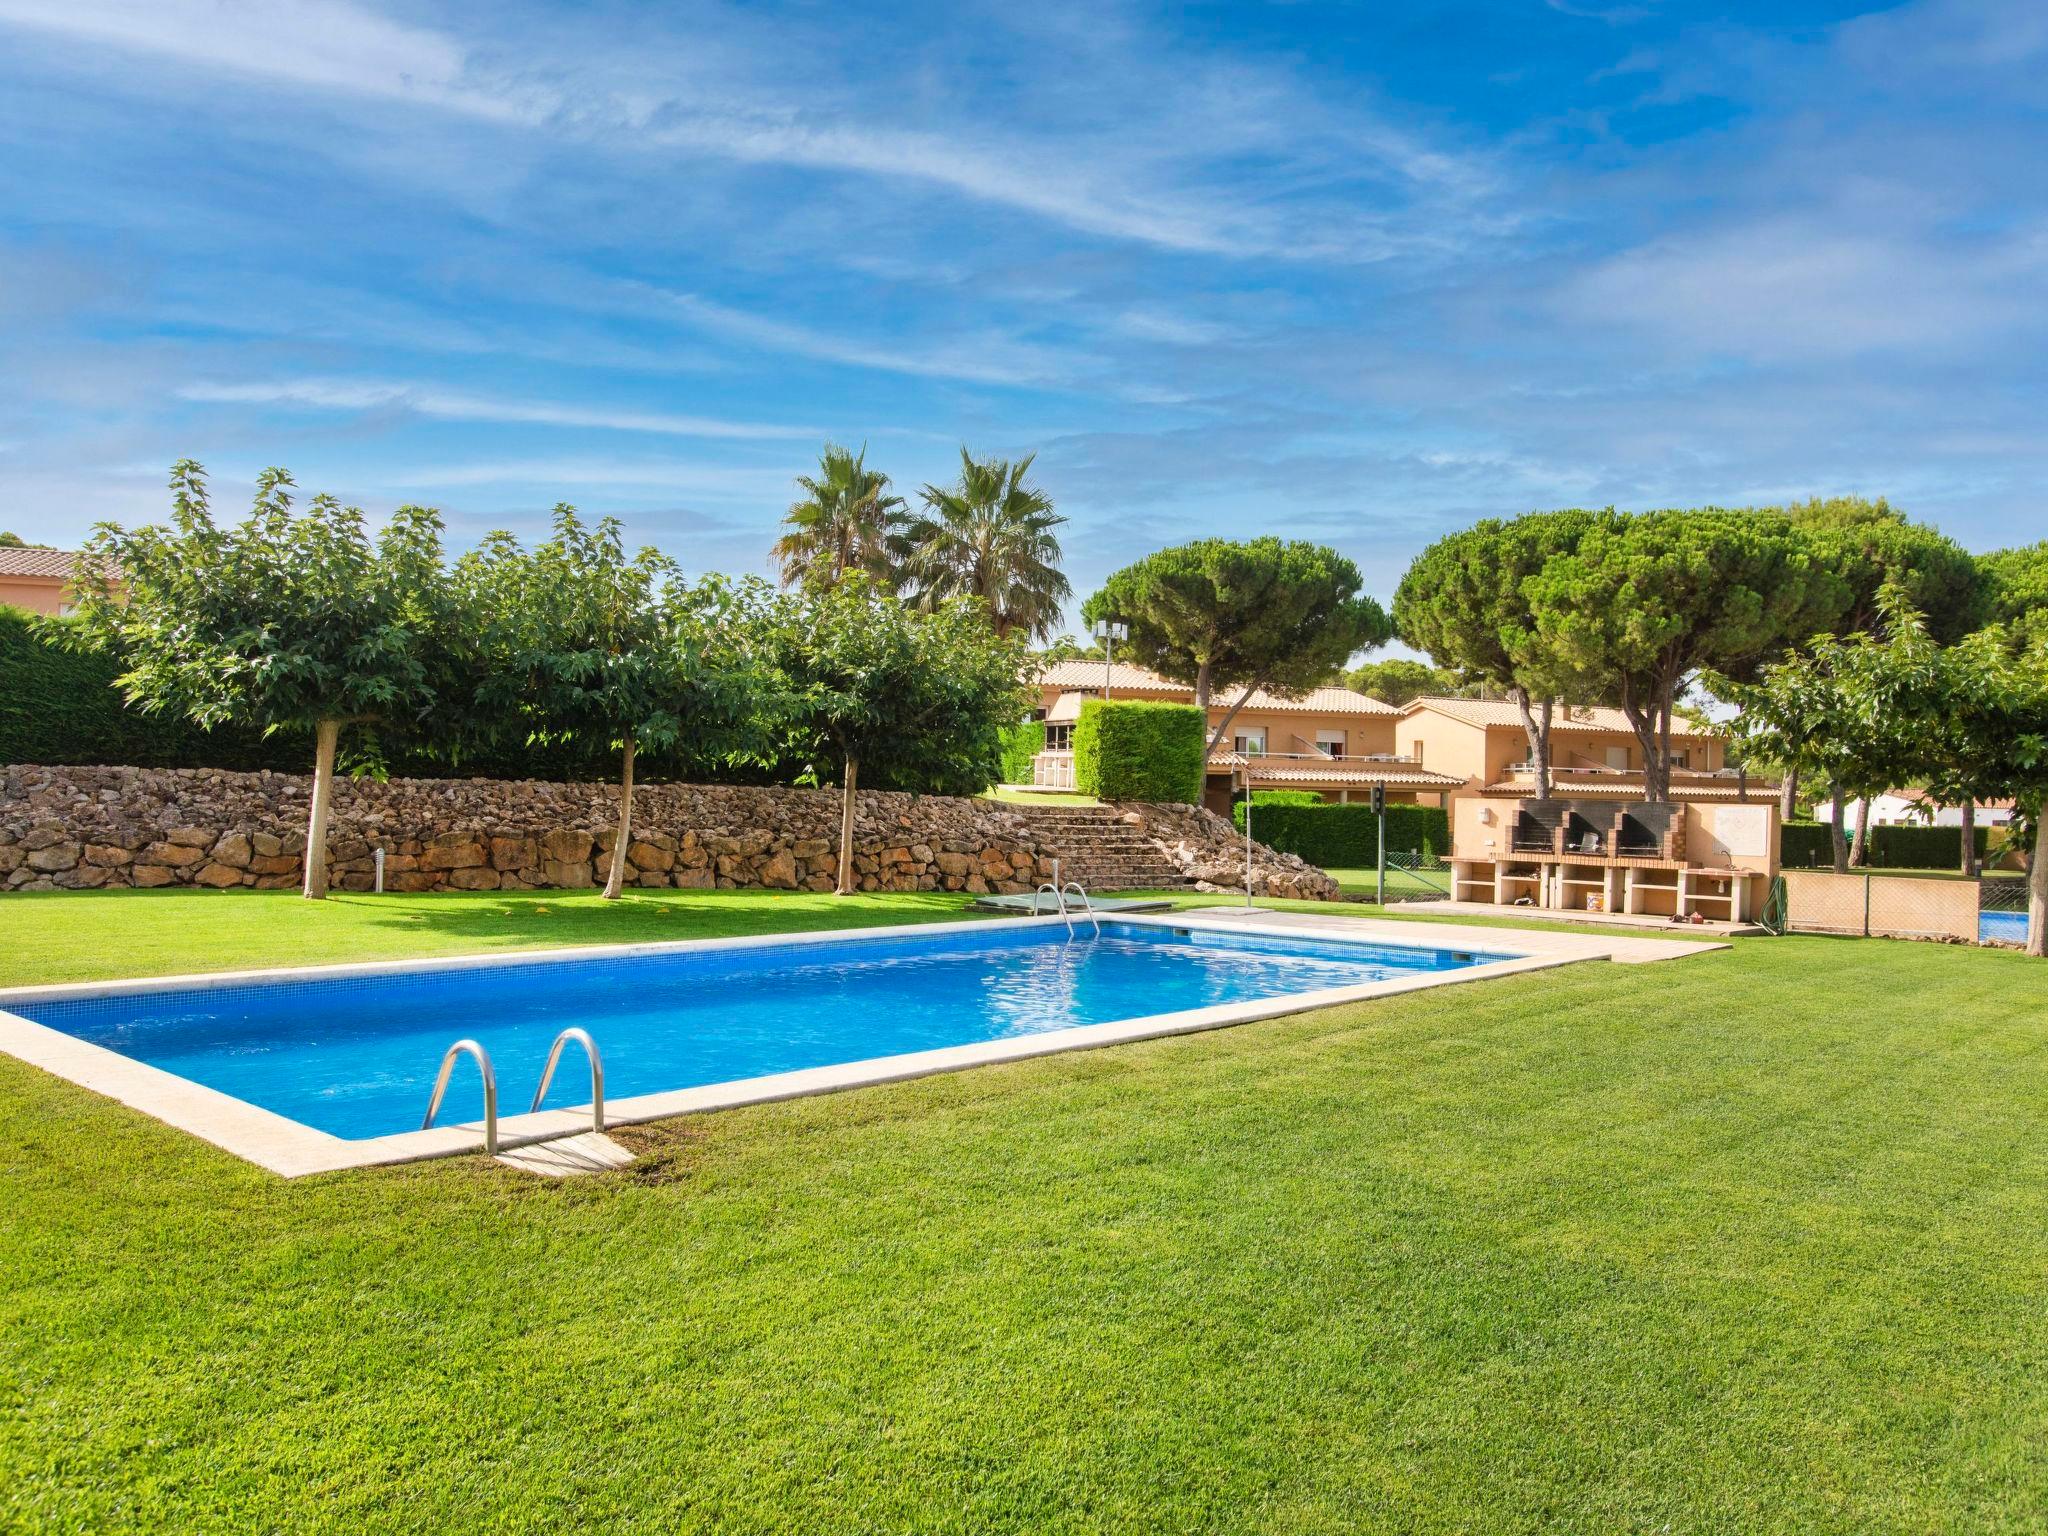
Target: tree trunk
column 1202, row 688
column 1859, row 851
column 616, row 880
column 843, row 885
column 1656, row 775
column 1838, row 834
column 1969, row 864
column 326, row 734
column 2037, row 894
column 1788, row 795
column 1537, row 724
column 1230, row 714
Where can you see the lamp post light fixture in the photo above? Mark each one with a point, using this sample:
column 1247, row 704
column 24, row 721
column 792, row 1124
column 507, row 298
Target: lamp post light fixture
column 1109, row 633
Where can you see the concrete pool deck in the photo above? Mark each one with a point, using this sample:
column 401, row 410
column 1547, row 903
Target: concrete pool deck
column 291, row 1149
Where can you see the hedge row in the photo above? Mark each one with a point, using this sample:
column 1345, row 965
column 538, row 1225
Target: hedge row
column 1128, row 749
column 1806, row 844
column 1021, row 743
column 59, row 707
column 1345, row 836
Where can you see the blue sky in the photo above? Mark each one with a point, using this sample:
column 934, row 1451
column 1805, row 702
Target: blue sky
column 1353, row 272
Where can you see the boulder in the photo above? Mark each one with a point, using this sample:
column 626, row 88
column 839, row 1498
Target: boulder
column 220, row 876
column 233, row 850
column 54, row 857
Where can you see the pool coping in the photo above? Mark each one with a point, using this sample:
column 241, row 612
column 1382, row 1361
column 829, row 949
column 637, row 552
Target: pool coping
column 292, row 1149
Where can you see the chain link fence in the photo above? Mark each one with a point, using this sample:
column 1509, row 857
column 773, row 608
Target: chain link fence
column 1898, row 906
column 1417, row 877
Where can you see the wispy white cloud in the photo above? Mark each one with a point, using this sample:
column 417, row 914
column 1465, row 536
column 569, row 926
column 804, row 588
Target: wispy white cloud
column 455, row 405
column 985, row 358
column 1157, row 193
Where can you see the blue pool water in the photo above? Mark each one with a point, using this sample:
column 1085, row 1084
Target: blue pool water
column 355, row 1056
column 2002, row 927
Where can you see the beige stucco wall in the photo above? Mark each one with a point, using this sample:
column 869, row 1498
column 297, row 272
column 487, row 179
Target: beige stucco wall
column 1733, row 836
column 37, row 596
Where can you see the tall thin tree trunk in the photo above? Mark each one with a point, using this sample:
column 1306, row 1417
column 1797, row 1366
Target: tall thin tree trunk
column 843, row 885
column 616, row 880
column 1788, row 795
column 1202, row 687
column 1859, row 851
column 1536, row 723
column 2037, row 894
column 326, row 734
column 1656, row 780
column 1969, row 865
column 1838, row 832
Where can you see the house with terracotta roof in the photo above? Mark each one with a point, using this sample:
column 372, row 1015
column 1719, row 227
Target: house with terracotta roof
column 1593, row 750
column 36, row 579
column 1335, row 742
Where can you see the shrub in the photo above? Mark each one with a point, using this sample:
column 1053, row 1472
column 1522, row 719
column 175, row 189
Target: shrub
column 1133, row 750
column 1345, row 836
column 1286, row 797
column 1807, row 844
column 1021, row 743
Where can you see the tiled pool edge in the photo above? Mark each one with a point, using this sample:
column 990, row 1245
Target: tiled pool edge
column 291, row 1149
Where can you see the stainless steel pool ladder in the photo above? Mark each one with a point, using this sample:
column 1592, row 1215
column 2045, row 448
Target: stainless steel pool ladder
column 482, row 1058
column 547, row 1073
column 1059, row 898
column 1086, row 905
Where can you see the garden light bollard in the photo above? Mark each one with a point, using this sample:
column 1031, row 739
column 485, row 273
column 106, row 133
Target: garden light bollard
column 377, row 857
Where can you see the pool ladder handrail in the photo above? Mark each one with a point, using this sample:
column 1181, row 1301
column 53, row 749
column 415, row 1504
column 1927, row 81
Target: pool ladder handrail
column 1059, row 902
column 547, row 1073
column 1086, row 905
column 482, row 1058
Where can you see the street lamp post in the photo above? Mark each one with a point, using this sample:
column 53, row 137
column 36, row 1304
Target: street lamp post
column 1109, row 633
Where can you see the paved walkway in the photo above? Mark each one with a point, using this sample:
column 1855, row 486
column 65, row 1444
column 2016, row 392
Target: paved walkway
column 1627, row 949
column 1569, row 915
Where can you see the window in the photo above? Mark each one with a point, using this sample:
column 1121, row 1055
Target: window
column 1681, row 759
column 1251, row 741
column 1415, row 751
column 1059, row 738
column 1330, row 743
column 1617, row 757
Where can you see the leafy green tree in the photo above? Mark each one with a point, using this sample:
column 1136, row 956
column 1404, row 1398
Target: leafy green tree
column 585, row 644
column 1400, row 680
column 989, row 536
column 1871, row 546
column 286, row 622
column 2016, row 585
column 914, row 699
column 1466, row 602
column 1991, row 740
column 16, row 541
column 846, row 523
column 1647, row 600
column 1854, row 711
column 1221, row 615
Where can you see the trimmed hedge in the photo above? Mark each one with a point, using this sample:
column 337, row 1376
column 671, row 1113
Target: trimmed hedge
column 1345, row 836
column 1021, row 743
column 60, row 706
column 1806, row 844
column 1128, row 749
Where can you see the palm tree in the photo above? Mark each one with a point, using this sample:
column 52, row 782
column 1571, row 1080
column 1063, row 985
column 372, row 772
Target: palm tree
column 846, row 522
column 990, row 536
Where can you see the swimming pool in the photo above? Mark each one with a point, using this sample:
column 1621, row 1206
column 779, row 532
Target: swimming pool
column 2001, row 927
column 351, row 1052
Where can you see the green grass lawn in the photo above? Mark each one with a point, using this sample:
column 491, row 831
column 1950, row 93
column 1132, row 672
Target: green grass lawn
column 1016, row 796
column 1754, row 1241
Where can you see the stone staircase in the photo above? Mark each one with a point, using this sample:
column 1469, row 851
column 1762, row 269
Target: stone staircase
column 1097, row 847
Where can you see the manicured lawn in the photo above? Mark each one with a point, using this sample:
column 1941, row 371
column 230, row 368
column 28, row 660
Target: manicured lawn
column 1754, row 1241
column 1015, row 796
column 97, row 935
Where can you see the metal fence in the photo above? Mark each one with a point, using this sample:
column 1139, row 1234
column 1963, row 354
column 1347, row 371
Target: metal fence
column 1900, row 906
column 1417, row 877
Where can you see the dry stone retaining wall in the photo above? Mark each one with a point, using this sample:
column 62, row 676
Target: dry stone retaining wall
column 82, row 828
